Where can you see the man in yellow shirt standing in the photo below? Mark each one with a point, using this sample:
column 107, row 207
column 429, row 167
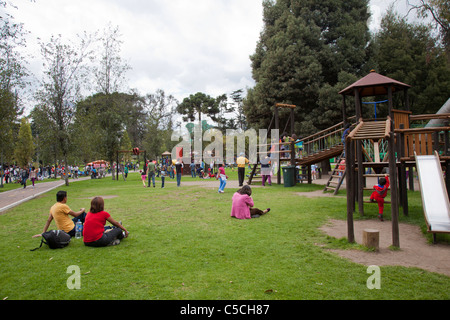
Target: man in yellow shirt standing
column 61, row 212
column 241, row 163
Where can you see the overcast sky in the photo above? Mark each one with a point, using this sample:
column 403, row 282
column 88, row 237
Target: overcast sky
column 180, row 46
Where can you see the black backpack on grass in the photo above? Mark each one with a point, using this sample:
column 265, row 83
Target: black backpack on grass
column 55, row 239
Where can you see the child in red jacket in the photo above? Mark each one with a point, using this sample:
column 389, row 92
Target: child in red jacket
column 379, row 194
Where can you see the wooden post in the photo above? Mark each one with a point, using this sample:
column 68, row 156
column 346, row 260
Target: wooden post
column 348, row 174
column 309, row 174
column 277, row 127
column 394, row 196
column 402, row 171
column 292, row 122
column 436, row 141
column 371, row 238
column 293, row 160
column 411, row 178
column 357, row 103
column 390, row 106
column 406, row 96
column 447, row 163
column 359, row 156
column 293, row 153
column 117, row 167
column 446, row 139
column 344, row 112
column 354, row 176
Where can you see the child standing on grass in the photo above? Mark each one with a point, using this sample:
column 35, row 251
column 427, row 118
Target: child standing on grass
column 143, row 177
column 379, row 194
column 222, row 178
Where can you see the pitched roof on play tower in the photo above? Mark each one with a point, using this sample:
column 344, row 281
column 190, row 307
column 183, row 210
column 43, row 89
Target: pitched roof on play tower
column 374, row 84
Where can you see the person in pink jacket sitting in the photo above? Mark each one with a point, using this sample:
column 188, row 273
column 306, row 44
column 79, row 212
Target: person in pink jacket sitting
column 242, row 205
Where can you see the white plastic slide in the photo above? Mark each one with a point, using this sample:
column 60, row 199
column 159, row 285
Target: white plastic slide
column 435, row 201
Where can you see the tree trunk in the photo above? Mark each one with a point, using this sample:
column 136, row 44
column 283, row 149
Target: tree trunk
column 113, row 171
column 66, row 174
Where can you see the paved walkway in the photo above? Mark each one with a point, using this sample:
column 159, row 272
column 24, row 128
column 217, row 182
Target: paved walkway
column 12, row 198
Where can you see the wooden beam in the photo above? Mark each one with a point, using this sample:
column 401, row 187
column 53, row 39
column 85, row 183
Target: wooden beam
column 376, row 151
column 387, row 128
column 355, row 131
column 129, row 151
column 283, row 105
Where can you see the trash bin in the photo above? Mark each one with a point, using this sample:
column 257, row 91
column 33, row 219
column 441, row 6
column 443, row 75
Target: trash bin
column 289, row 176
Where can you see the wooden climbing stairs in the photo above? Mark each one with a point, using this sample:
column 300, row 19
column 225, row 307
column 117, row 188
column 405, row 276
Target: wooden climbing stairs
column 322, row 155
column 337, row 176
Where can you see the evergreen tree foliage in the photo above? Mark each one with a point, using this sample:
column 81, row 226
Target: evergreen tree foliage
column 24, row 149
column 198, row 104
column 304, row 47
column 411, row 54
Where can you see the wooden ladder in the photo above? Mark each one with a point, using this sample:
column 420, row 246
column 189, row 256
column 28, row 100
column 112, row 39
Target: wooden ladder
column 337, row 177
column 252, row 175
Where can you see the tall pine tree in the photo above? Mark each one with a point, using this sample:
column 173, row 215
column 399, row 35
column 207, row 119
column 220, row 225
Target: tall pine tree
column 305, row 46
column 411, row 53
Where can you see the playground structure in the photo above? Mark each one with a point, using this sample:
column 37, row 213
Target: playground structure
column 375, row 147
column 135, row 151
column 275, row 147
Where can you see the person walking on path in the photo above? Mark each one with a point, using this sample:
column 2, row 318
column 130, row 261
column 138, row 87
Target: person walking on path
column 163, row 175
column 33, row 175
column 24, row 176
column 242, row 161
column 179, row 169
column 151, row 172
column 192, row 166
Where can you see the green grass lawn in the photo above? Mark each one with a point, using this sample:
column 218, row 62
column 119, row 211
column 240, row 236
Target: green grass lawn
column 184, row 245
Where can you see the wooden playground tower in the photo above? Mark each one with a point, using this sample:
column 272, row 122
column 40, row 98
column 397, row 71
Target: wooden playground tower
column 381, row 146
column 404, row 143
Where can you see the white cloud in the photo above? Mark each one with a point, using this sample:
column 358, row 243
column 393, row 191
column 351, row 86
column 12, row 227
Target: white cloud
column 378, row 8
column 179, row 46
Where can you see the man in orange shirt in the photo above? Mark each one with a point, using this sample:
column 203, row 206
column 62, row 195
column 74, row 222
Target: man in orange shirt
column 241, row 163
column 60, row 211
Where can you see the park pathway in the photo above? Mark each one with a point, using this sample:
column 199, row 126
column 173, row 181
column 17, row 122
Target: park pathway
column 12, row 198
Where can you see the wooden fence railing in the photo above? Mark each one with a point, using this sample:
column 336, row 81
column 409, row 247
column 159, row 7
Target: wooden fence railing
column 422, row 141
column 322, row 140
